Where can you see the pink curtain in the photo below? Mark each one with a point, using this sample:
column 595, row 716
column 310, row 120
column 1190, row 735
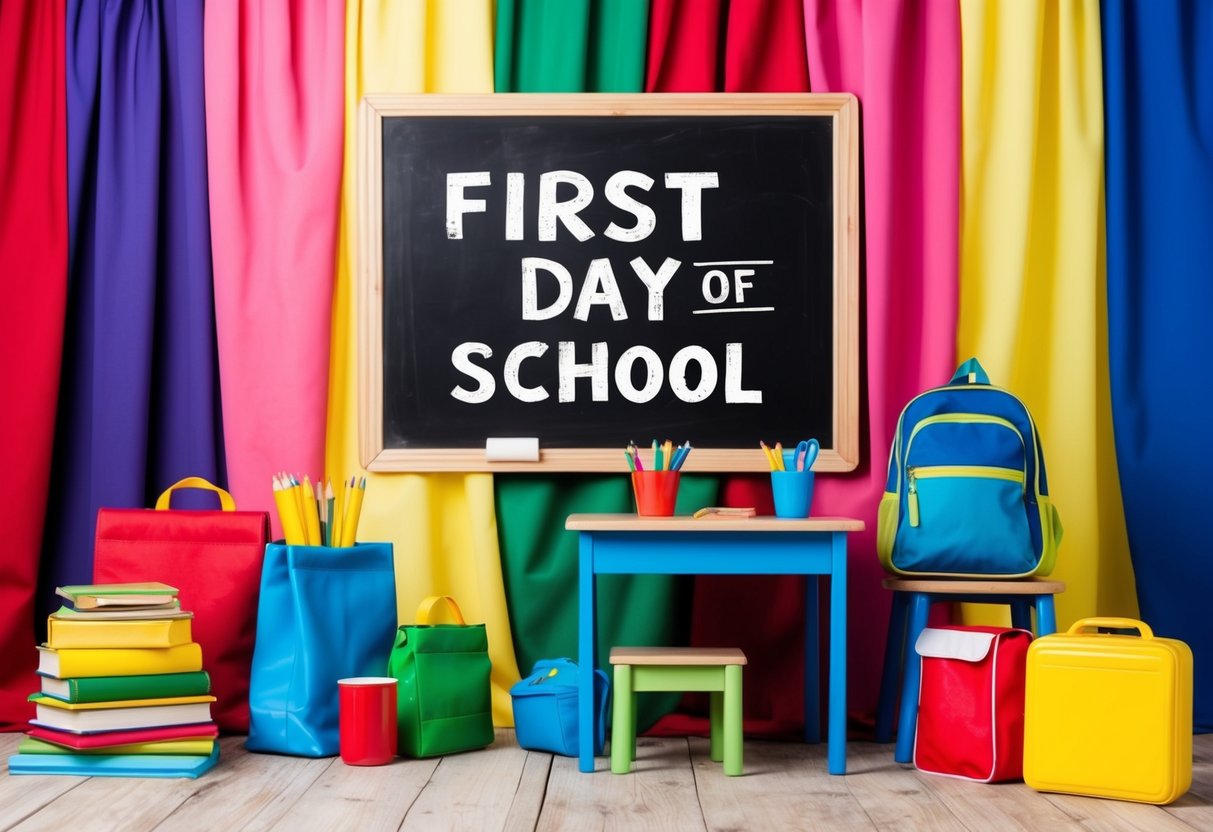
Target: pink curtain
column 274, row 116
column 902, row 59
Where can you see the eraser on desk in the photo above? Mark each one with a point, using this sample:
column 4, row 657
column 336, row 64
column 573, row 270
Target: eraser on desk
column 511, row 449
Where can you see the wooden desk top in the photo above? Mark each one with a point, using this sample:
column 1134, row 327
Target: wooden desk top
column 685, row 523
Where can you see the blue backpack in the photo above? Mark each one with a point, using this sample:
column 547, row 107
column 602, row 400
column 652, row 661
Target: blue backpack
column 966, row 494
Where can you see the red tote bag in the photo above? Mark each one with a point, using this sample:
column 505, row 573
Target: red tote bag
column 214, row 559
column 971, row 702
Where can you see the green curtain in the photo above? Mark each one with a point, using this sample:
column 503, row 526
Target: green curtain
column 579, row 46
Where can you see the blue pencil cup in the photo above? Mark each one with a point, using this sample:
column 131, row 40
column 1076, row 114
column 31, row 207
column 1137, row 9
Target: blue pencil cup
column 792, row 489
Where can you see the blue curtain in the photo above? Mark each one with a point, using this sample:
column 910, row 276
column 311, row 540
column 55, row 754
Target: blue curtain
column 138, row 404
column 1158, row 88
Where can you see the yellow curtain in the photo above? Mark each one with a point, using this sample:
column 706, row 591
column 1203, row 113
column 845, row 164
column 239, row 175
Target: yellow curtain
column 1032, row 287
column 442, row 526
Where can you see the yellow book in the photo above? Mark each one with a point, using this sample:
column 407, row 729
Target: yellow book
column 51, row 702
column 77, row 632
column 76, row 662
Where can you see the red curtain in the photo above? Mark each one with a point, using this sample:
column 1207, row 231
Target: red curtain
column 33, row 282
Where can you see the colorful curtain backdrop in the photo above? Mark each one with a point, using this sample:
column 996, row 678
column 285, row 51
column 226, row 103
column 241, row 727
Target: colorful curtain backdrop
column 33, row 279
column 442, row 526
column 1032, row 283
column 886, row 57
column 105, row 239
column 274, row 105
column 139, row 406
column 1158, row 107
column 579, row 46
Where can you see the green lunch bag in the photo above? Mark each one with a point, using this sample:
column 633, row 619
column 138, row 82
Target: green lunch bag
column 443, row 700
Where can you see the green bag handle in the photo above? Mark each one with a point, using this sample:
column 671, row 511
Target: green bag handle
column 426, row 607
column 226, row 502
column 1114, row 623
column 970, row 372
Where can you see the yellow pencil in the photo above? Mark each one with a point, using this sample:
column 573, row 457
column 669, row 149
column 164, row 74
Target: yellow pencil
column 286, row 513
column 297, row 497
column 767, row 452
column 669, row 454
column 310, row 515
column 353, row 510
column 779, row 457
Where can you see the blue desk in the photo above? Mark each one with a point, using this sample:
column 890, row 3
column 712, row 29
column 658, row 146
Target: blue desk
column 612, row 544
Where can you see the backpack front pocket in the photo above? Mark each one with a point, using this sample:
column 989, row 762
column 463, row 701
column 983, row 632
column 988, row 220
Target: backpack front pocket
column 967, row 519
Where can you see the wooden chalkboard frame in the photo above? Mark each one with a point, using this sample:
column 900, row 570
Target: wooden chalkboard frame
column 843, row 109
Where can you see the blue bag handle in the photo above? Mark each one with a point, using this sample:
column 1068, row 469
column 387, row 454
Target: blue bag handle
column 970, row 372
column 602, row 687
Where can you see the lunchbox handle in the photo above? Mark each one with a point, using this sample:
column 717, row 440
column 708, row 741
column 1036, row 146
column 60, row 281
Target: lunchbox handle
column 1113, row 622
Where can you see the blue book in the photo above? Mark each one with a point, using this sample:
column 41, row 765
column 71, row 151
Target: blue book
column 113, row 765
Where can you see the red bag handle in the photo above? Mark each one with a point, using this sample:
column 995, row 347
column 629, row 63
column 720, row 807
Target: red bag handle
column 225, row 500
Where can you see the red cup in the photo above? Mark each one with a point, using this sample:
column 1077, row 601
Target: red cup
column 656, row 492
column 367, row 720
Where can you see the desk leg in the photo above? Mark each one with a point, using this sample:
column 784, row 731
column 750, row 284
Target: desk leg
column 812, row 660
column 836, row 750
column 586, row 616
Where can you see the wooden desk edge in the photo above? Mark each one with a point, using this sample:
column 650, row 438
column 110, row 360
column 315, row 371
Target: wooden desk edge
column 685, row 523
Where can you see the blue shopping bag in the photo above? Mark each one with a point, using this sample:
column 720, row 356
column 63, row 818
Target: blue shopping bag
column 324, row 614
column 545, row 707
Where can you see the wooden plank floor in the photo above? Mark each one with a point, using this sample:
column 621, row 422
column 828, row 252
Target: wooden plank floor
column 674, row 786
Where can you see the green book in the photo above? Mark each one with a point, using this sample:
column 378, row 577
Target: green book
column 118, row 688
column 93, row 596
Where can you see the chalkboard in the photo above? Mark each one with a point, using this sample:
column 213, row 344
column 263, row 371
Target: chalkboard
column 597, row 269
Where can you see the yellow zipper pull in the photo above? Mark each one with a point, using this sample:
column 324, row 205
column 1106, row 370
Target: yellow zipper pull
column 912, row 497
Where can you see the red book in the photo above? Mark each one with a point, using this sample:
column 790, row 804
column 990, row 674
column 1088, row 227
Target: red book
column 104, row 740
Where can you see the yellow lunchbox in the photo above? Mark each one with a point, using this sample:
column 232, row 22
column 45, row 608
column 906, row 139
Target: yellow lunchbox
column 1109, row 715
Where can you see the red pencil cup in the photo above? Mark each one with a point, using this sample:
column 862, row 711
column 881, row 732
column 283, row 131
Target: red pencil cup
column 367, row 720
column 656, row 492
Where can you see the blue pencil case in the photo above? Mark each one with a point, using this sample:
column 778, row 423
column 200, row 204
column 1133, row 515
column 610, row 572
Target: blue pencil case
column 545, row 707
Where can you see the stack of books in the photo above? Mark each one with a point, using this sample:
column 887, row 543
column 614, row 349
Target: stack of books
column 123, row 689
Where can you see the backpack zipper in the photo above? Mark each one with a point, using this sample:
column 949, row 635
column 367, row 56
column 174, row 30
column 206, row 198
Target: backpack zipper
column 916, row 472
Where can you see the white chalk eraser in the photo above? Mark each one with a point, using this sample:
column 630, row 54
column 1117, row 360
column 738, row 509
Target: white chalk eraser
column 511, row 449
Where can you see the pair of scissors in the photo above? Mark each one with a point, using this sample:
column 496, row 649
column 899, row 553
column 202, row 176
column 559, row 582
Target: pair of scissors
column 809, row 449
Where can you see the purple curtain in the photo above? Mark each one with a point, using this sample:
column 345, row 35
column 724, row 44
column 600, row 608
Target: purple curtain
column 138, row 406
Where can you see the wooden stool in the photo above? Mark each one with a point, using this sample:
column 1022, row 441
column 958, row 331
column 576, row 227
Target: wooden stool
column 912, row 599
column 713, row 669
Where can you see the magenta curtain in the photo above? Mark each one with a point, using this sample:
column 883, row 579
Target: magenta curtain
column 902, row 59
column 274, row 126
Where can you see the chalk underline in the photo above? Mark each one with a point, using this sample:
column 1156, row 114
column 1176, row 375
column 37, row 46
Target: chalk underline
column 735, row 263
column 723, row 311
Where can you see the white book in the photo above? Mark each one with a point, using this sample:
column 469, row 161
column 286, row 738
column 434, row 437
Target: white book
column 92, row 720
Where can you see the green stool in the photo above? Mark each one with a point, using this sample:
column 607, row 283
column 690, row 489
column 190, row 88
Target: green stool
column 716, row 670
